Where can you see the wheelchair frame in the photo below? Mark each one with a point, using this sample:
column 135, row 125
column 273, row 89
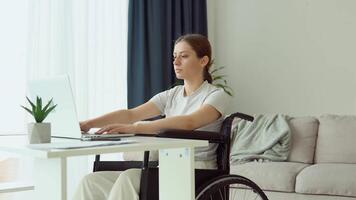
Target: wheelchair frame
column 204, row 178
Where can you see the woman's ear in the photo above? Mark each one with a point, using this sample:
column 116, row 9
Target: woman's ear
column 204, row 61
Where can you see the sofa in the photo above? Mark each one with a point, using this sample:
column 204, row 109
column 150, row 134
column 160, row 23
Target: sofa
column 321, row 163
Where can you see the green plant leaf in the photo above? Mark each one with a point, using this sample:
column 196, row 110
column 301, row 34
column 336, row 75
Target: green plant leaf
column 37, row 112
column 39, row 103
column 220, row 77
column 39, row 118
column 48, row 111
column 217, row 69
column 228, row 92
column 32, row 105
column 219, row 80
column 46, row 106
column 226, row 88
column 229, row 88
column 220, row 85
column 28, row 110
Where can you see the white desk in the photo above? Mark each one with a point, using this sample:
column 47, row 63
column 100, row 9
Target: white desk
column 176, row 172
column 15, row 187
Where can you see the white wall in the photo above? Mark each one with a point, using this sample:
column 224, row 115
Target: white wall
column 290, row 56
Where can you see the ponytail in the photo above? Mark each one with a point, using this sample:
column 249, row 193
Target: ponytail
column 207, row 75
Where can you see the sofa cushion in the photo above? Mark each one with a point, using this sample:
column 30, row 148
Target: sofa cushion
column 277, row 176
column 304, row 132
column 330, row 179
column 336, row 139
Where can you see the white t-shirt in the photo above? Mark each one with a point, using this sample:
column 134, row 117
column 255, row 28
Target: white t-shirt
column 173, row 102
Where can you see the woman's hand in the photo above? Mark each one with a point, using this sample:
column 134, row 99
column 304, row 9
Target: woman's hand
column 85, row 126
column 118, row 128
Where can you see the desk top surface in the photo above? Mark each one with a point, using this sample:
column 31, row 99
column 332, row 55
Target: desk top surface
column 19, row 145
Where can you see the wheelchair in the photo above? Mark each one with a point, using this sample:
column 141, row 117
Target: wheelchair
column 210, row 184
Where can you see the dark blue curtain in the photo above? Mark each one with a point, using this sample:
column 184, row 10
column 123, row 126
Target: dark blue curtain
column 154, row 25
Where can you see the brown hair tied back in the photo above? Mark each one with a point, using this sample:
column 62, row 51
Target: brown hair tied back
column 201, row 46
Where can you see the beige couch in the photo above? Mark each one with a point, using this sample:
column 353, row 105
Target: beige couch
column 321, row 164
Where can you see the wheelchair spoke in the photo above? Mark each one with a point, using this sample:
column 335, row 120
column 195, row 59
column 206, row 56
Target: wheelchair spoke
column 221, row 194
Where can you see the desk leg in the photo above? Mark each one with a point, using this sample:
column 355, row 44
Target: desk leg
column 50, row 179
column 176, row 174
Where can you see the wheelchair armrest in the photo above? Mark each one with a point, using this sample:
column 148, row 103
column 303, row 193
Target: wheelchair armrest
column 213, row 137
column 242, row 116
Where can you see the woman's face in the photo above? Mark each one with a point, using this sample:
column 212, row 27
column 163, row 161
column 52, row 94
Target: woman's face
column 186, row 63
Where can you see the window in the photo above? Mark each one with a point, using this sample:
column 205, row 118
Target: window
column 13, row 60
column 86, row 39
column 13, row 51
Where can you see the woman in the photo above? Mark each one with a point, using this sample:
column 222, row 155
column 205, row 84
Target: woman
column 195, row 105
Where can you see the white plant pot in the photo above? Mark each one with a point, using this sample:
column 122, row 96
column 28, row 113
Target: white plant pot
column 39, row 133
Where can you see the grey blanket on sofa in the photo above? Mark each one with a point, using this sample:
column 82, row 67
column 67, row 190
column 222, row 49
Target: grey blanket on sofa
column 268, row 138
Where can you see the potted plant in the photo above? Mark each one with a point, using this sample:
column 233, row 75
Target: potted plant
column 39, row 132
column 219, row 80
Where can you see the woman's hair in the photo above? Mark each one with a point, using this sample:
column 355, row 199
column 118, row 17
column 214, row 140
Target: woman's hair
column 201, row 46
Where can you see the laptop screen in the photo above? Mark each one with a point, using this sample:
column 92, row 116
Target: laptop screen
column 63, row 118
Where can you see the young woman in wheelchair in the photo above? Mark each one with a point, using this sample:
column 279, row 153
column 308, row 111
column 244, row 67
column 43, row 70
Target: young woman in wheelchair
column 195, row 105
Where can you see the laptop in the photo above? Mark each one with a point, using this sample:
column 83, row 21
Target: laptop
column 63, row 119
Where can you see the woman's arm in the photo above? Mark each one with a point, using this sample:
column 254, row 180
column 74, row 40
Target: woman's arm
column 204, row 115
column 144, row 111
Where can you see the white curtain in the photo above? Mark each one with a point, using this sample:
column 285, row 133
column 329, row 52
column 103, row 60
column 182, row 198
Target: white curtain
column 86, row 39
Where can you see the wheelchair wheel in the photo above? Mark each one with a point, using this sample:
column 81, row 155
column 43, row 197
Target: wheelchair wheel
column 225, row 188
